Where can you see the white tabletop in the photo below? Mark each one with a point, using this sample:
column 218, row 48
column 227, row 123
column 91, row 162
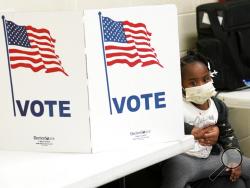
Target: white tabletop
column 236, row 99
column 57, row 170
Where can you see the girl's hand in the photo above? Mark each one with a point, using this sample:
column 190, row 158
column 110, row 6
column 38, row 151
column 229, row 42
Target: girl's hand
column 235, row 173
column 198, row 133
column 211, row 136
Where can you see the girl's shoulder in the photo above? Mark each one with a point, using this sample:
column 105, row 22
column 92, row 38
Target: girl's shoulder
column 221, row 107
column 218, row 102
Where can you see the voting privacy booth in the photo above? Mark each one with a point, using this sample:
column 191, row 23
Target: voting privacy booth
column 90, row 81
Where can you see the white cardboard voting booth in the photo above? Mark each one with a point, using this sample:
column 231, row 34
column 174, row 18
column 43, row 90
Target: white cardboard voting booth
column 74, row 83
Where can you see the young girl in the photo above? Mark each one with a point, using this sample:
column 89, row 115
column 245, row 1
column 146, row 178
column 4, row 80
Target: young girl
column 206, row 119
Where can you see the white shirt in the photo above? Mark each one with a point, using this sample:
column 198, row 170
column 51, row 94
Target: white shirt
column 200, row 119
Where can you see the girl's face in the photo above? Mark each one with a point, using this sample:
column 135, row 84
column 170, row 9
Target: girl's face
column 195, row 74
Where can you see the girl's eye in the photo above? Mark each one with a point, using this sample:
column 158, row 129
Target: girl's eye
column 193, row 83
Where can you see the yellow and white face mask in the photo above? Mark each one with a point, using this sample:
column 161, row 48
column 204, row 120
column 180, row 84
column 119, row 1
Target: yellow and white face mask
column 200, row 94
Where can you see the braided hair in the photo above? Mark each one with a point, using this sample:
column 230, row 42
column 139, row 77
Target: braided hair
column 193, row 57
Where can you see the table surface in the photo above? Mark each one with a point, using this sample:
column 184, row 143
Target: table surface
column 74, row 170
column 236, row 99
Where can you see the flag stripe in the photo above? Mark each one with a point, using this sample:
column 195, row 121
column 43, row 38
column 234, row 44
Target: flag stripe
column 38, row 68
column 55, row 69
column 33, row 60
column 47, row 66
column 152, row 62
column 135, row 31
column 132, row 31
column 27, row 65
column 43, row 49
column 40, row 31
column 137, row 37
column 31, row 53
column 36, row 48
column 42, row 43
column 139, row 54
column 124, row 61
column 138, row 43
column 35, row 64
column 136, row 25
column 129, row 55
column 122, row 51
column 40, row 37
column 125, row 48
column 131, row 59
column 133, row 63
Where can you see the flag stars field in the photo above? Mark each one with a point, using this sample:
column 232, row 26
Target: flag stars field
column 17, row 34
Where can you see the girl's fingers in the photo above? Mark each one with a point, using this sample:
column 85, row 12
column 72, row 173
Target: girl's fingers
column 235, row 174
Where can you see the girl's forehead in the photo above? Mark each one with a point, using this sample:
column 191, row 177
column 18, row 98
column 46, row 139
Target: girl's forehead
column 196, row 69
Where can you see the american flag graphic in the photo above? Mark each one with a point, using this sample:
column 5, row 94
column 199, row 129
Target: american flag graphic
column 127, row 43
column 32, row 48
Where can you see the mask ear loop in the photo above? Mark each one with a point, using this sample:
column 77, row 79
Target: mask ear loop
column 183, row 92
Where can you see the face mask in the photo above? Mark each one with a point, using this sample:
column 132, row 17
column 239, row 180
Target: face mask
column 200, row 94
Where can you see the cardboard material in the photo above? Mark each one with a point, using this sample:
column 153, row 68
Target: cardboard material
column 105, row 81
column 51, row 108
